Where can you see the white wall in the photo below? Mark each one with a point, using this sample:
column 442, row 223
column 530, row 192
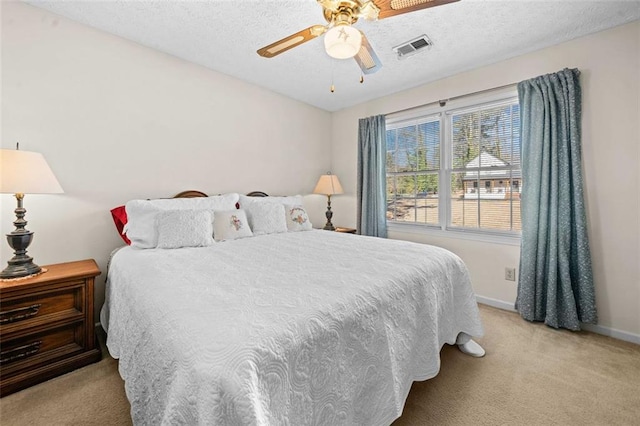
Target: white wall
column 117, row 121
column 610, row 65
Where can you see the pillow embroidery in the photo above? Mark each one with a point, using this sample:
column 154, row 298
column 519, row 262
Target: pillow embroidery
column 298, row 215
column 235, row 222
column 298, row 219
column 229, row 225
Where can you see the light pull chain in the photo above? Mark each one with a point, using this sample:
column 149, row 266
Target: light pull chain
column 333, row 88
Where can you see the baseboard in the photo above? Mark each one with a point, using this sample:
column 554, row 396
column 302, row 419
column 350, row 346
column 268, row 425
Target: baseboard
column 594, row 328
column 500, row 304
column 612, row 332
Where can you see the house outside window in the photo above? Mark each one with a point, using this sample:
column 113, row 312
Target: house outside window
column 456, row 170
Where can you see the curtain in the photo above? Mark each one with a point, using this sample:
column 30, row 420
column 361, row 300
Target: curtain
column 372, row 180
column 556, row 279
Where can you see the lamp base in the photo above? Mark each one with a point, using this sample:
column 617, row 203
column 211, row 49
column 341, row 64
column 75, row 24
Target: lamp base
column 21, row 264
column 19, row 271
column 329, row 227
column 329, row 214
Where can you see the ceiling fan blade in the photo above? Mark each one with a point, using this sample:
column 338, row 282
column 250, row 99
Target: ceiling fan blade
column 367, row 58
column 292, row 41
column 396, row 7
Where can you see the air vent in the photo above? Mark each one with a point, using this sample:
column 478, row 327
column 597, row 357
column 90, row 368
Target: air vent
column 412, row 47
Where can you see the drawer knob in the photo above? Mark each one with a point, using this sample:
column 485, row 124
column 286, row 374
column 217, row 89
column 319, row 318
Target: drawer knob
column 19, row 352
column 19, row 314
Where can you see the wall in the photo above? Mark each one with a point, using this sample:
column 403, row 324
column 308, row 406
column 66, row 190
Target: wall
column 118, row 121
column 610, row 65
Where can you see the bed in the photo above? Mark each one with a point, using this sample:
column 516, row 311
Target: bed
column 283, row 328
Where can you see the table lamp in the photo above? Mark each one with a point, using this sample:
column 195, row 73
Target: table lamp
column 23, row 172
column 328, row 185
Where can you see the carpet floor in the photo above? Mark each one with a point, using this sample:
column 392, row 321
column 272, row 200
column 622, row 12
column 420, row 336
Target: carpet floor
column 531, row 375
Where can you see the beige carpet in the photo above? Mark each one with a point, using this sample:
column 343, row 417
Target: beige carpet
column 531, row 375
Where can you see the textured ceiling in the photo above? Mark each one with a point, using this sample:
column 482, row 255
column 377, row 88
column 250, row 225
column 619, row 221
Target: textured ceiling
column 224, row 35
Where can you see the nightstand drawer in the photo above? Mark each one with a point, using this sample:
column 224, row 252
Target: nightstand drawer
column 41, row 308
column 40, row 348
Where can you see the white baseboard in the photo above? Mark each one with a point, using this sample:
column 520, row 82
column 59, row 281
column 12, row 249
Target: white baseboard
column 594, row 328
column 612, row 332
column 500, row 304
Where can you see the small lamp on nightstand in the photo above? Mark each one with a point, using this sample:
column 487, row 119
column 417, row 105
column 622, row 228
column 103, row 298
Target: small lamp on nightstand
column 328, row 185
column 23, row 172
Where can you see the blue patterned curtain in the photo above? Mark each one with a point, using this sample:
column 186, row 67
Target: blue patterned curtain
column 556, row 279
column 372, row 180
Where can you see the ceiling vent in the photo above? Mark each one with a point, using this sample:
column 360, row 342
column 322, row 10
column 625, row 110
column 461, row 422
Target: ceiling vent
column 412, row 47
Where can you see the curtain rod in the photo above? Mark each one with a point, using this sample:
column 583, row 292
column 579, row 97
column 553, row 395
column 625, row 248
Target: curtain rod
column 443, row 102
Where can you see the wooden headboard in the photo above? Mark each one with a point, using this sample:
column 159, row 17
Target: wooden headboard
column 190, row 194
column 194, row 194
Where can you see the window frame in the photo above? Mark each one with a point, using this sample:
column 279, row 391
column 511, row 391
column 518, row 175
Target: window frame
column 457, row 106
column 416, row 121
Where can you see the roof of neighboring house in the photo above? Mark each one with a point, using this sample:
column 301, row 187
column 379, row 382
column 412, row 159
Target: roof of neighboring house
column 487, row 160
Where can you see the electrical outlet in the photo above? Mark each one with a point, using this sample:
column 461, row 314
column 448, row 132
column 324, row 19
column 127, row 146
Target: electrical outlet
column 510, row 274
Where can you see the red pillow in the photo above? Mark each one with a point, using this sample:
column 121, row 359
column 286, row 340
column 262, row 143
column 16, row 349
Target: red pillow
column 120, row 220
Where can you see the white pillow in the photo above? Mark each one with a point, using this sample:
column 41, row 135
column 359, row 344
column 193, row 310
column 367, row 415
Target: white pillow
column 141, row 214
column 297, row 218
column 184, row 228
column 266, row 218
column 231, row 224
column 245, row 201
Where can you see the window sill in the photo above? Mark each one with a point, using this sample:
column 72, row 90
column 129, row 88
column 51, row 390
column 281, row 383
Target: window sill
column 495, row 238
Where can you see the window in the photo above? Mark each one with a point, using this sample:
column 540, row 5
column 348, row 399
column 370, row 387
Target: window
column 413, row 168
column 457, row 169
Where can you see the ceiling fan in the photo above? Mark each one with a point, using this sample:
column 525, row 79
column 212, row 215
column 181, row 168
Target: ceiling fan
column 342, row 40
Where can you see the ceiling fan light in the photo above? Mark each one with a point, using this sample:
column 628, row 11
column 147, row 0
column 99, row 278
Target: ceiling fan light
column 342, row 41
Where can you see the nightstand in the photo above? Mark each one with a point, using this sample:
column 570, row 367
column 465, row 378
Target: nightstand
column 345, row 230
column 47, row 325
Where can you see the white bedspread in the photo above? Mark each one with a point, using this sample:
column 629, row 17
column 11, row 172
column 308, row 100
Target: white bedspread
column 299, row 328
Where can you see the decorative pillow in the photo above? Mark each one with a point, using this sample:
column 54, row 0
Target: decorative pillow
column 266, row 218
column 141, row 214
column 119, row 215
column 231, row 224
column 184, row 228
column 297, row 218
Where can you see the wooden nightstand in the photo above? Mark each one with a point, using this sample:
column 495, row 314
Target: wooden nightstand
column 47, row 325
column 345, row 230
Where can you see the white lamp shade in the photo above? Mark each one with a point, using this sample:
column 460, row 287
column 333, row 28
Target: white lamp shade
column 27, row 173
column 328, row 185
column 342, row 41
